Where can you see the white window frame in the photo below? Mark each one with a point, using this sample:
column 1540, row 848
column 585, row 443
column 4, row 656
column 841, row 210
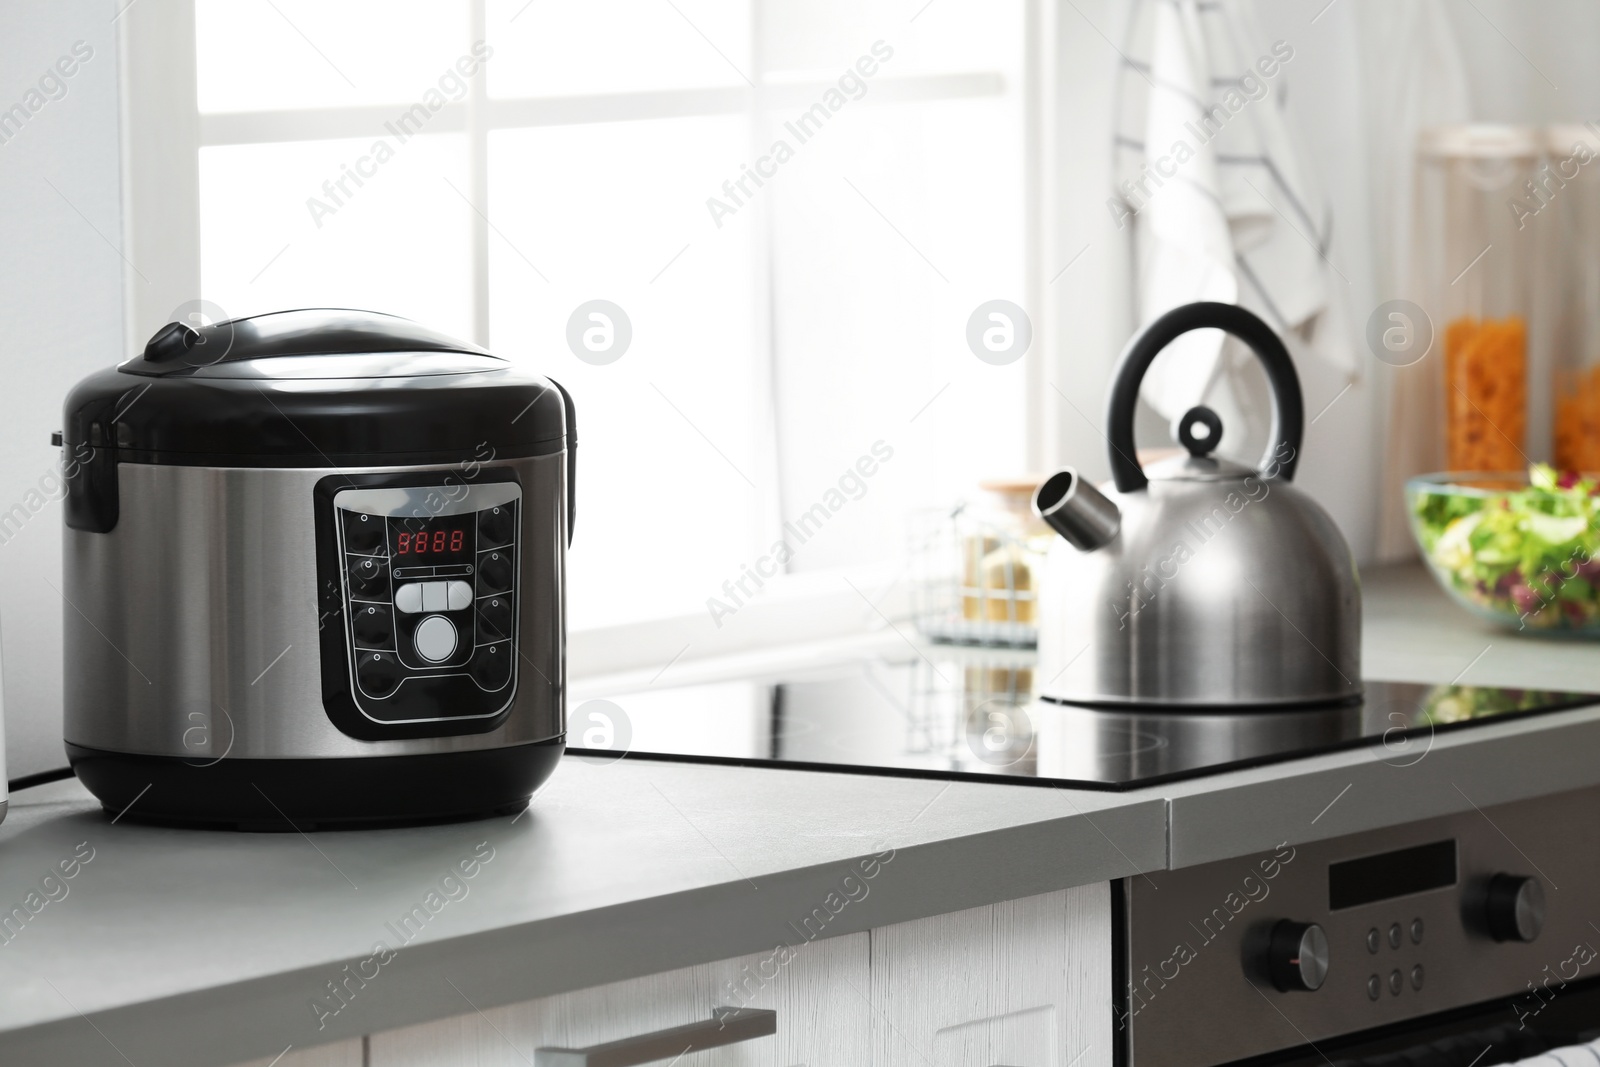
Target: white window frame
column 164, row 131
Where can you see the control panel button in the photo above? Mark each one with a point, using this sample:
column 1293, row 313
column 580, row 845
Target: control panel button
column 494, row 572
column 408, row 598
column 378, row 673
column 1374, row 940
column 433, row 596
column 364, row 534
column 1515, row 907
column 1395, row 982
column 373, row 625
column 494, row 619
column 1416, row 977
column 1374, row 987
column 491, row 666
column 458, row 596
column 1297, row 956
column 495, row 527
column 369, row 579
column 1416, row 931
column 435, row 638
column 1394, row 936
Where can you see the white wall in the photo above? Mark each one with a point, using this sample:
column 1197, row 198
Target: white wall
column 61, row 278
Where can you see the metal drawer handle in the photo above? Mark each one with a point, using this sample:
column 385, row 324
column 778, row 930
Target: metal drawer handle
column 727, row 1026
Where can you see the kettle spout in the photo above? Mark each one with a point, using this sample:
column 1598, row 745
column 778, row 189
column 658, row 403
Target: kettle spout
column 1076, row 510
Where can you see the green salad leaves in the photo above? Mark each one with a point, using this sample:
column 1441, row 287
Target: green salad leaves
column 1524, row 554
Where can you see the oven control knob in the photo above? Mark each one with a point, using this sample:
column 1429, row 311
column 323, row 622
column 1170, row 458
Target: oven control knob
column 1515, row 906
column 1297, row 956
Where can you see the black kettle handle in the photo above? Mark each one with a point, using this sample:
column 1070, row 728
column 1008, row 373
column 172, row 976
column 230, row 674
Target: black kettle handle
column 1288, row 417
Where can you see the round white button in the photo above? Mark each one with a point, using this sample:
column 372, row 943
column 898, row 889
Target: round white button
column 435, row 638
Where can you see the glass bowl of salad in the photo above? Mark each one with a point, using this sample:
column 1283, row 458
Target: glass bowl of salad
column 1521, row 550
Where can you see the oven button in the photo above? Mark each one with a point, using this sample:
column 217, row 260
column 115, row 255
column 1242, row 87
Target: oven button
column 434, row 597
column 458, row 596
column 494, row 527
column 435, row 638
column 1394, row 936
column 1297, row 956
column 1395, row 982
column 369, row 577
column 494, row 572
column 373, row 626
column 1515, row 907
column 378, row 674
column 408, row 598
column 1416, row 977
column 1416, row 931
column 1374, row 940
column 1374, row 987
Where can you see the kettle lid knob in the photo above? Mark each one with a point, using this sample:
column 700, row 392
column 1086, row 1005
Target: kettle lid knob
column 1200, row 431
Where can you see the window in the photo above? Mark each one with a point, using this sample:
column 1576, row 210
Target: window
column 792, row 310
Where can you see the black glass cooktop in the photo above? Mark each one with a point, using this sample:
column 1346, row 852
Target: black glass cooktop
column 961, row 714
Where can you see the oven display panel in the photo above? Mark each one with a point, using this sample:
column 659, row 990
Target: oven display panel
column 449, row 539
column 1370, row 879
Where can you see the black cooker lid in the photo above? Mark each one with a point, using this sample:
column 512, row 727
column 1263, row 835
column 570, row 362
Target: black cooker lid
column 318, row 387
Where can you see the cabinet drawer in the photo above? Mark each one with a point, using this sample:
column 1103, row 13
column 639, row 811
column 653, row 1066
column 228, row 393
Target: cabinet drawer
column 1024, row 983
column 819, row 992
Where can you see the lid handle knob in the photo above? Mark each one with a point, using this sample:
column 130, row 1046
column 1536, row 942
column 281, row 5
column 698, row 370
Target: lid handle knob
column 1288, row 414
column 1200, row 431
column 171, row 342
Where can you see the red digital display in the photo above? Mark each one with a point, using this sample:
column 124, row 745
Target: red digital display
column 423, row 542
column 446, row 540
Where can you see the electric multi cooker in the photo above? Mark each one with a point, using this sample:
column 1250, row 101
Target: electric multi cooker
column 315, row 567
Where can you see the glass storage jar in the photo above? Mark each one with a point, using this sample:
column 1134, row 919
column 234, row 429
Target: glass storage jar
column 1571, row 195
column 1475, row 259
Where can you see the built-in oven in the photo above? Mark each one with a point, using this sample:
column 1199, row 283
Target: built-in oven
column 1468, row 940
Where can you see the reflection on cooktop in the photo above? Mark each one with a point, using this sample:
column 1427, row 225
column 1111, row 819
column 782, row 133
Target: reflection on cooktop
column 960, row 714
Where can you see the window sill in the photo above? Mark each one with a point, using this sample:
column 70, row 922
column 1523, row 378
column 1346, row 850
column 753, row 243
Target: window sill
column 793, row 610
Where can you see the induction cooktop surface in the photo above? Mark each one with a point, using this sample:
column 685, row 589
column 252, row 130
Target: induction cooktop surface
column 964, row 714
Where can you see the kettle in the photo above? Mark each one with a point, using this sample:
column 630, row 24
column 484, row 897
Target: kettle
column 1197, row 582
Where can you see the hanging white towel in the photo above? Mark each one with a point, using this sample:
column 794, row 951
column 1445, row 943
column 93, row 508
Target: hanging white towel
column 1220, row 205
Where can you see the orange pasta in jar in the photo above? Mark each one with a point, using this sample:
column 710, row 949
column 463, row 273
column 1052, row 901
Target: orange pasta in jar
column 1486, row 393
column 1578, row 420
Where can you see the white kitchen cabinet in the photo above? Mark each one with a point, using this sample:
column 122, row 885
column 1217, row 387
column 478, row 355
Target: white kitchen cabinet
column 820, row 996
column 1024, row 983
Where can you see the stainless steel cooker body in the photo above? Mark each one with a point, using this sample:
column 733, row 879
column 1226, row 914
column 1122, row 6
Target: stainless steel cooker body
column 315, row 563
column 196, row 627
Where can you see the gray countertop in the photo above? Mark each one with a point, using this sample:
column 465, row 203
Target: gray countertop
column 196, row 947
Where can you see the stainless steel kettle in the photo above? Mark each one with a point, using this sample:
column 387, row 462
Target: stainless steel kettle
column 1197, row 582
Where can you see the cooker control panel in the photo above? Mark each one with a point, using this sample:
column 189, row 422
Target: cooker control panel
column 428, row 599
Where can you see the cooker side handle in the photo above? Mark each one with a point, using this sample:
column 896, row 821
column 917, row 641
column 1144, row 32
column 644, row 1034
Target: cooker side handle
column 572, row 456
column 89, row 460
